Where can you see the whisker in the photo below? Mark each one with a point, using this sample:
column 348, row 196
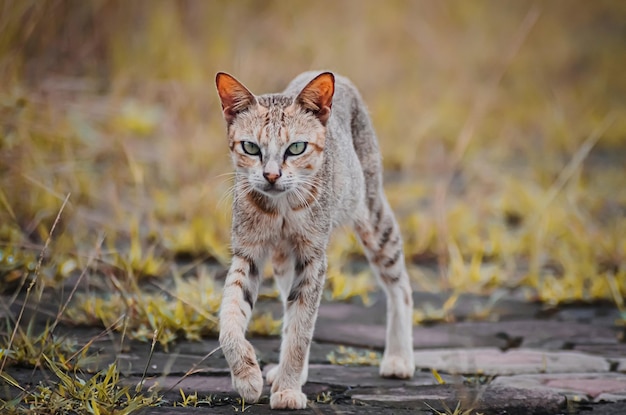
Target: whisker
column 230, row 173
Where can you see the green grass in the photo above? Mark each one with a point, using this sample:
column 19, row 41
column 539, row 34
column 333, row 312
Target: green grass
column 73, row 392
column 502, row 128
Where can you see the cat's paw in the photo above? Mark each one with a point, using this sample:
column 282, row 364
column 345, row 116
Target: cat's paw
column 397, row 367
column 271, row 374
column 249, row 383
column 288, row 399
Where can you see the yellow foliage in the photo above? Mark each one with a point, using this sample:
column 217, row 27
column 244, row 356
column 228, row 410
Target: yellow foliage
column 507, row 168
column 347, row 356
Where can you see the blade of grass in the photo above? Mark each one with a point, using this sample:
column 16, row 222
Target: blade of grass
column 191, row 371
column 145, row 369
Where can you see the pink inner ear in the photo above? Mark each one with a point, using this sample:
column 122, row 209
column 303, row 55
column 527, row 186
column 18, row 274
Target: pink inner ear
column 233, row 95
column 317, row 96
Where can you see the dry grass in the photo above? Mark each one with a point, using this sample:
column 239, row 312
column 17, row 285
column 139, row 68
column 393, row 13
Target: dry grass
column 501, row 125
column 348, row 356
column 501, row 128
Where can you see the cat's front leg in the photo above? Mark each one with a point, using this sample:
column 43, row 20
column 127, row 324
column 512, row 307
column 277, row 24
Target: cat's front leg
column 240, row 292
column 300, row 314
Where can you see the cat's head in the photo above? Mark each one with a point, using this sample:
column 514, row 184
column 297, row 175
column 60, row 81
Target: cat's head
column 277, row 141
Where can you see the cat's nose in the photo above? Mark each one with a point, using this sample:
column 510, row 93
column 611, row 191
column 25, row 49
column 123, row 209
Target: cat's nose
column 272, row 176
column 272, row 171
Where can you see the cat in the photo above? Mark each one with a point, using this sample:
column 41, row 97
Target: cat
column 306, row 161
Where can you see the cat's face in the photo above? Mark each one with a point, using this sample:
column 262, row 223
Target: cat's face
column 277, row 142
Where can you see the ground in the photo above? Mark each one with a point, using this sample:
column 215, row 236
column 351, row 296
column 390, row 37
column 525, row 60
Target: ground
column 523, row 359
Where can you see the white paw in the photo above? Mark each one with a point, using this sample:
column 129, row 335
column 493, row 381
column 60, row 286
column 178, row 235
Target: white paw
column 397, row 367
column 271, row 375
column 288, row 399
column 249, row 384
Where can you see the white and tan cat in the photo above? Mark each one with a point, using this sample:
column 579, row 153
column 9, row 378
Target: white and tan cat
column 306, row 161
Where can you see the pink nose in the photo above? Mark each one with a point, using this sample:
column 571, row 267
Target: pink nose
column 272, row 176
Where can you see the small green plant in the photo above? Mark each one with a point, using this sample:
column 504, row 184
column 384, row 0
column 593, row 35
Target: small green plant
column 188, row 311
column 29, row 348
column 456, row 411
column 192, row 400
column 72, row 392
column 324, row 397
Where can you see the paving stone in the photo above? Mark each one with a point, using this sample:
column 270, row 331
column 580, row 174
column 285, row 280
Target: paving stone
column 169, row 363
column 596, row 386
column 611, row 351
column 268, row 350
column 606, row 315
column 467, row 306
column 444, row 398
column 349, row 312
column 365, row 376
column 199, row 348
column 491, row 361
column 537, row 333
column 170, row 384
column 497, row 399
column 528, row 333
column 420, row 398
column 367, row 335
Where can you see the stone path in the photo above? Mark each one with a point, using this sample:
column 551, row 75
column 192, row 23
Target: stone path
column 525, row 360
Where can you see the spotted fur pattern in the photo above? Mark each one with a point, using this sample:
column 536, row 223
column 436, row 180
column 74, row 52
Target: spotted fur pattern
column 285, row 206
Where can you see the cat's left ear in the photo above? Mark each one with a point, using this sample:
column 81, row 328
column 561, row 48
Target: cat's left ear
column 234, row 96
column 317, row 96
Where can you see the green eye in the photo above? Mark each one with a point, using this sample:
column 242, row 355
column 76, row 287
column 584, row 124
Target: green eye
column 296, row 148
column 250, row 148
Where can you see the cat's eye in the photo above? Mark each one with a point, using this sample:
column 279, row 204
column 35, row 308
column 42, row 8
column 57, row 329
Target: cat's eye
column 296, row 148
column 250, row 148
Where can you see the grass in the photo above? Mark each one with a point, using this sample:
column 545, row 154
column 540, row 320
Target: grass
column 69, row 388
column 501, row 127
column 458, row 410
column 74, row 393
column 348, row 356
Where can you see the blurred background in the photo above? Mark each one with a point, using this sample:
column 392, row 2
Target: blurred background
column 502, row 127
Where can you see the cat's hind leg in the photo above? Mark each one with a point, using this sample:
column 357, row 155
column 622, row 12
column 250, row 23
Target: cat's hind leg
column 380, row 235
column 240, row 292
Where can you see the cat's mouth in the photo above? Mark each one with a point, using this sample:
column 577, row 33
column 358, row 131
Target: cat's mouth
column 273, row 190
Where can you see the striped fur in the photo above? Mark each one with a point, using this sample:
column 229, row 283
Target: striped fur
column 284, row 209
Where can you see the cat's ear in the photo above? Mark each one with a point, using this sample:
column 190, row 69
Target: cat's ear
column 317, row 96
column 234, row 96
